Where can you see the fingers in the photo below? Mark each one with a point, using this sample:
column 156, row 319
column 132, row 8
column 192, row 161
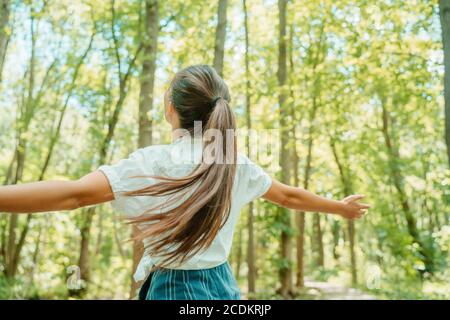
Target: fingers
column 356, row 210
column 354, row 197
column 359, row 214
column 364, row 205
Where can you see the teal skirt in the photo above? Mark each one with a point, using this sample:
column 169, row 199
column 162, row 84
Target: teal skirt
column 215, row 283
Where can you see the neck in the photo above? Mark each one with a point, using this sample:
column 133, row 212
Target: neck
column 177, row 133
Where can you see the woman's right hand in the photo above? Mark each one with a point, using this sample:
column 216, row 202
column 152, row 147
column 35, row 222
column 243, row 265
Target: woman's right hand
column 352, row 208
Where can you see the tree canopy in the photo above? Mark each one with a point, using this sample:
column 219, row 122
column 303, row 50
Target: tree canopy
column 352, row 91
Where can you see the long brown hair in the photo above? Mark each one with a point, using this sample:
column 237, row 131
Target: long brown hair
column 197, row 93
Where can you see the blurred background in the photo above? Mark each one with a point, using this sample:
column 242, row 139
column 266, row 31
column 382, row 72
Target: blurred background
column 354, row 88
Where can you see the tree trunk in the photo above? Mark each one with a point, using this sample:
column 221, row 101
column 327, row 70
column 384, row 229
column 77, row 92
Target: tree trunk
column 398, row 180
column 284, row 215
column 300, row 223
column 11, row 254
column 250, row 223
column 317, row 236
column 103, row 148
column 348, row 190
column 10, row 270
column 17, row 248
column 251, row 250
column 300, row 275
column 300, row 219
column 300, row 216
column 147, row 81
column 32, row 102
column 239, row 254
column 55, row 136
column 5, row 32
column 351, row 240
column 444, row 13
column 35, row 257
column 336, row 230
column 221, row 30
column 98, row 245
column 83, row 262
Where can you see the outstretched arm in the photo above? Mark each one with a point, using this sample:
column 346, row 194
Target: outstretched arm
column 303, row 200
column 44, row 196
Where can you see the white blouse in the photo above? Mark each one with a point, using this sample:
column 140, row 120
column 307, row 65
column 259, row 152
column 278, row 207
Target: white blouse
column 177, row 160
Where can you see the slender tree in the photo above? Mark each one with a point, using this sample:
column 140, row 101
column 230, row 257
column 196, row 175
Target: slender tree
column 221, row 31
column 147, row 80
column 239, row 251
column 284, row 215
column 316, row 91
column 32, row 102
column 55, row 135
column 250, row 222
column 398, row 180
column 5, row 32
column 444, row 13
column 123, row 80
column 295, row 120
column 347, row 187
column 28, row 106
column 316, row 57
column 57, row 132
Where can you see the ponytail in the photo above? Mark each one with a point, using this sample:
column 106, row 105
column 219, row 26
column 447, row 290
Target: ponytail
column 205, row 194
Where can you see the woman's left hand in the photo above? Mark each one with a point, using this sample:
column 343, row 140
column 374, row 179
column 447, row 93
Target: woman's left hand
column 352, row 208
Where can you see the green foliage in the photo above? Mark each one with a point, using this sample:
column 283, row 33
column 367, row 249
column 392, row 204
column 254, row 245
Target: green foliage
column 351, row 62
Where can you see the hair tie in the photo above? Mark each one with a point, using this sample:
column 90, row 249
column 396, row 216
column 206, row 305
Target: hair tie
column 214, row 102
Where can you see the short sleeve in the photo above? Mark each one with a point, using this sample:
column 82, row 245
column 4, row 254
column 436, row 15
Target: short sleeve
column 253, row 180
column 128, row 174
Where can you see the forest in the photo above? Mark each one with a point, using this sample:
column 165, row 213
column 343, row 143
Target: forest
column 357, row 92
